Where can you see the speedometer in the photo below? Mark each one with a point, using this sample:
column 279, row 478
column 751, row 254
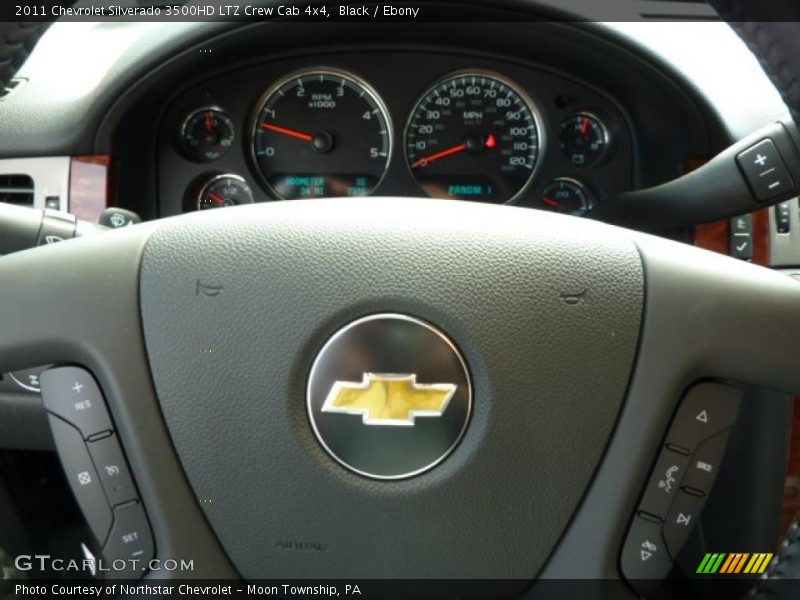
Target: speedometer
column 473, row 136
column 321, row 133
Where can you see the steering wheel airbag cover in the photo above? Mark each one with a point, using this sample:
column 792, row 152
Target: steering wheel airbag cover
column 545, row 309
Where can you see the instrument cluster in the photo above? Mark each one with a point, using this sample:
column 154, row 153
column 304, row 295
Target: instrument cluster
column 392, row 123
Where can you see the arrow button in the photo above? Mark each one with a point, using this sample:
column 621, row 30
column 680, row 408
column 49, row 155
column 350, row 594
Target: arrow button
column 707, row 409
column 682, row 518
column 645, row 561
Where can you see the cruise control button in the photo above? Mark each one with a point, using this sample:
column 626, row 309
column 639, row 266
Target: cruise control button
column 645, row 561
column 682, row 518
column 707, row 409
column 72, row 394
column 114, row 474
column 130, row 540
column 664, row 483
column 704, row 464
column 82, row 477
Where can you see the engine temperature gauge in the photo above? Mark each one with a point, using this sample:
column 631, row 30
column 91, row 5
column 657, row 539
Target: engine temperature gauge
column 566, row 195
column 224, row 190
column 207, row 134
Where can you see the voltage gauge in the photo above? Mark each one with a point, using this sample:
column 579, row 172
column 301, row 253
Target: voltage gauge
column 584, row 139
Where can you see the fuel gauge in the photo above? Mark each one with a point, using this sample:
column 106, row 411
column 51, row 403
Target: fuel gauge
column 207, row 134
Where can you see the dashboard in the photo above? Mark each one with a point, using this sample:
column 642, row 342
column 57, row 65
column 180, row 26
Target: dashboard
column 394, row 122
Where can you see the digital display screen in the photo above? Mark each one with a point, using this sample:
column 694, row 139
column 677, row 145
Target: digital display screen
column 465, row 187
column 322, row 186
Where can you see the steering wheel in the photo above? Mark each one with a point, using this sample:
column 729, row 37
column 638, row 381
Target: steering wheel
column 399, row 388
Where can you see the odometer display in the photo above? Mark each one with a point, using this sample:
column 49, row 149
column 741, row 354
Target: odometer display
column 321, row 133
column 473, row 136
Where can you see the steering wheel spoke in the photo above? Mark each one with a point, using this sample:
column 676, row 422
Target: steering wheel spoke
column 78, row 304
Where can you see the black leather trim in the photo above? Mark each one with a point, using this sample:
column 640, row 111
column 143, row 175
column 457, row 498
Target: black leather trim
column 16, row 43
column 770, row 30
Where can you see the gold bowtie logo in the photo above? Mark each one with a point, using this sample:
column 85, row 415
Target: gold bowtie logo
column 388, row 399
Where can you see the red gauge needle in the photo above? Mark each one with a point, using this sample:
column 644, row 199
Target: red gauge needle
column 209, row 124
column 490, row 142
column 550, row 201
column 426, row 160
column 290, row 132
column 219, row 200
column 584, row 126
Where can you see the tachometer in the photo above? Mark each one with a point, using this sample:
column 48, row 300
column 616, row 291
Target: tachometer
column 321, row 133
column 473, row 136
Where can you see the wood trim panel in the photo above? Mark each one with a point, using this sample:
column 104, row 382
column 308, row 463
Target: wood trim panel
column 89, row 186
column 791, row 490
column 716, row 237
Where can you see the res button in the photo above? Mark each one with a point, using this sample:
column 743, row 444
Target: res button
column 72, row 394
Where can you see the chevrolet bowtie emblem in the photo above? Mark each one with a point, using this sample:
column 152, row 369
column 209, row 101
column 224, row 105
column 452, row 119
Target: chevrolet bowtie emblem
column 389, row 396
column 389, row 399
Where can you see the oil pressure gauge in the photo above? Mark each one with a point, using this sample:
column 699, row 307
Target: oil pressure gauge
column 207, row 134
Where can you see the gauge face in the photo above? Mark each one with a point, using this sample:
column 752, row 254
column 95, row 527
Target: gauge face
column 321, row 133
column 566, row 195
column 584, row 139
column 224, row 190
column 473, row 136
column 207, row 134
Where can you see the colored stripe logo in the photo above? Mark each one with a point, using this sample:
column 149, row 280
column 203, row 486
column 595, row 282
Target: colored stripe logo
column 734, row 563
